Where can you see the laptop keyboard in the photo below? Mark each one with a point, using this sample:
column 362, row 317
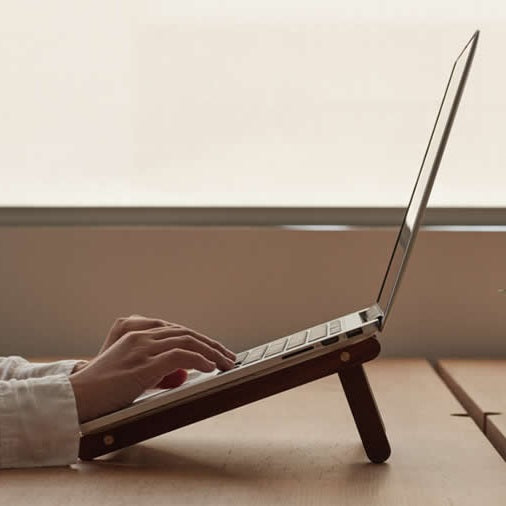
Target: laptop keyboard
column 276, row 347
column 319, row 332
column 265, row 351
column 297, row 340
column 254, row 355
column 287, row 343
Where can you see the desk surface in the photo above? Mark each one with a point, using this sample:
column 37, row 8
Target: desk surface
column 480, row 386
column 299, row 447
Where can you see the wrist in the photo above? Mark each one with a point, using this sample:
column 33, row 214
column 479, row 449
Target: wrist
column 78, row 396
column 81, row 364
column 83, row 394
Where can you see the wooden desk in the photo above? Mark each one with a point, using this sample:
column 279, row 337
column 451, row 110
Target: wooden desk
column 300, row 447
column 480, row 385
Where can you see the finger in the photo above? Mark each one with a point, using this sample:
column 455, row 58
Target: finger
column 182, row 359
column 159, row 320
column 174, row 379
column 164, row 322
column 191, row 343
column 131, row 324
column 179, row 330
column 137, row 322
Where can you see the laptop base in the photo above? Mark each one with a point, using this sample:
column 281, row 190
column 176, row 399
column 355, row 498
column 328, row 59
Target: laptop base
column 346, row 362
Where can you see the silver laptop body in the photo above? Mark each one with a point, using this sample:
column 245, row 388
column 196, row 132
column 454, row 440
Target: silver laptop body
column 326, row 337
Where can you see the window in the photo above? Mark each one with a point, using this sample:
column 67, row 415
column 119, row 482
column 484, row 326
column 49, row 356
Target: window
column 303, row 103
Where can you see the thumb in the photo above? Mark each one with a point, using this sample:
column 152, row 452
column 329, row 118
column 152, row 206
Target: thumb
column 174, row 379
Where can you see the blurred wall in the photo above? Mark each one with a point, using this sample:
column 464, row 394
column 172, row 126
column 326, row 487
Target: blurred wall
column 61, row 288
column 245, row 103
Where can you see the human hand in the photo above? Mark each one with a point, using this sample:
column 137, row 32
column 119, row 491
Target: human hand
column 137, row 322
column 131, row 362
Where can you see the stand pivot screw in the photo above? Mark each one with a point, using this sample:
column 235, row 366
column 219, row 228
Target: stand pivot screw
column 108, row 440
column 345, row 356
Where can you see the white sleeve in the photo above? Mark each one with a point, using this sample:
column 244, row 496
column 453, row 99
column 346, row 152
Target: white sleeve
column 19, row 368
column 38, row 422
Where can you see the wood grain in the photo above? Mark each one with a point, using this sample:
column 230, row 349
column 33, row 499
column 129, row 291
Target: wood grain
column 298, row 447
column 480, row 386
column 496, row 432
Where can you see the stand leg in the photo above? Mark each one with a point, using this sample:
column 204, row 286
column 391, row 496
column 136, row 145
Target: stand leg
column 365, row 412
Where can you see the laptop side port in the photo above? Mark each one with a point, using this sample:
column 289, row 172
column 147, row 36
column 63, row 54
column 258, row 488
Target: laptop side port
column 353, row 333
column 330, row 340
column 363, row 316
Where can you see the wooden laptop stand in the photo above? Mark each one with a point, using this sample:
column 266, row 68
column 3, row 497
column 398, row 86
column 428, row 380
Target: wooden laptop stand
column 346, row 362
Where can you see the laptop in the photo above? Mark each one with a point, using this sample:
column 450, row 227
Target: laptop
column 327, row 337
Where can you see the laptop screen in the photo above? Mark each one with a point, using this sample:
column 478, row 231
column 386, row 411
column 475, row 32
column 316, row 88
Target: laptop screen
column 426, row 176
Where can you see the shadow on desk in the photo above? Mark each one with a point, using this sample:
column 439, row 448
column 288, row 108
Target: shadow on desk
column 189, row 473
column 245, row 463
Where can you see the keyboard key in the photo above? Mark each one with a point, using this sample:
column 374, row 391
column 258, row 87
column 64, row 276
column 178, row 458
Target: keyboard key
column 296, row 339
column 275, row 347
column 240, row 357
column 233, row 369
column 317, row 332
column 255, row 355
column 335, row 326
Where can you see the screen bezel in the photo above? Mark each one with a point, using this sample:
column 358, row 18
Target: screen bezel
column 393, row 276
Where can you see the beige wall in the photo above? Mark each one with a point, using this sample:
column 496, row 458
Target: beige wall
column 245, row 103
column 62, row 287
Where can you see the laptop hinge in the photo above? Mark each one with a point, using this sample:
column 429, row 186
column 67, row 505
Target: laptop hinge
column 372, row 313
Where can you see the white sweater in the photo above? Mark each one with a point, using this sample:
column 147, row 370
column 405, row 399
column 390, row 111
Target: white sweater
column 38, row 415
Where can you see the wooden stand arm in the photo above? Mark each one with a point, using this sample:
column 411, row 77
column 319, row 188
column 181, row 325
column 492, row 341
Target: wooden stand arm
column 365, row 412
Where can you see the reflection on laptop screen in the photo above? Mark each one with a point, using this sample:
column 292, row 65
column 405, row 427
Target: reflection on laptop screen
column 426, row 176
